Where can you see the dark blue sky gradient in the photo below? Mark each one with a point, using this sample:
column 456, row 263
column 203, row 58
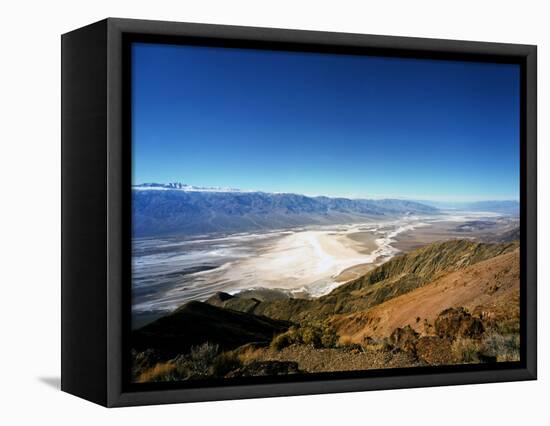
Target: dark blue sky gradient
column 336, row 125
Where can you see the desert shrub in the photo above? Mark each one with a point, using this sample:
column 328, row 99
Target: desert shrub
column 506, row 327
column 466, row 350
column 355, row 348
column 202, row 360
column 329, row 338
column 283, row 340
column 370, row 344
column 143, row 361
column 316, row 334
column 248, row 353
column 504, row 347
column 224, row 363
column 202, row 357
column 291, row 336
column 319, row 334
column 176, row 369
column 311, row 336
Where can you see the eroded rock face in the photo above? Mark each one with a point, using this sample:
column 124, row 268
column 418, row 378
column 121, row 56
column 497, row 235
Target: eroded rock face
column 437, row 349
column 266, row 368
column 404, row 339
column 458, row 322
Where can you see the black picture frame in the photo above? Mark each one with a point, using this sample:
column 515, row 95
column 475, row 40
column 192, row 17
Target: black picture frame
column 96, row 228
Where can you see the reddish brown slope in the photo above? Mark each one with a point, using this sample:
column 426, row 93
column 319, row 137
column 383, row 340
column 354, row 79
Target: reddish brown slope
column 490, row 287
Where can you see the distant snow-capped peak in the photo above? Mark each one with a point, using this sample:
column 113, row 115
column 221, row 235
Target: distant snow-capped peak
column 177, row 186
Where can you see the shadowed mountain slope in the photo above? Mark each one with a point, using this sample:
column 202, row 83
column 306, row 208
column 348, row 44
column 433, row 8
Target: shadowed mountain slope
column 195, row 323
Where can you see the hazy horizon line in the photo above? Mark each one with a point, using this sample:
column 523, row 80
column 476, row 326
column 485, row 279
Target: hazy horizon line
column 421, row 198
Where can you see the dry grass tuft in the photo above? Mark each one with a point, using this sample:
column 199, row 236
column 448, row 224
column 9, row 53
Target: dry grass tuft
column 466, row 350
column 250, row 354
column 156, row 373
column 345, row 340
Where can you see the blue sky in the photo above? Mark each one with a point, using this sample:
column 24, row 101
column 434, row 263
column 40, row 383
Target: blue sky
column 324, row 124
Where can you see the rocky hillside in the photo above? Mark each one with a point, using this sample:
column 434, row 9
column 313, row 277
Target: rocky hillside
column 395, row 277
column 452, row 302
column 489, row 287
column 412, row 270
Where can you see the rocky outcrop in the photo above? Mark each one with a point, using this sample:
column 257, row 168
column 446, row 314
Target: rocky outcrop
column 404, row 339
column 458, row 322
column 451, row 324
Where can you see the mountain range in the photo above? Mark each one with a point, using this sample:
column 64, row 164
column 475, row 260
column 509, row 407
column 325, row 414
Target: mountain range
column 180, row 209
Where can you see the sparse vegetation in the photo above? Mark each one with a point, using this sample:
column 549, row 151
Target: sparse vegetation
column 504, row 347
column 202, row 360
column 285, row 339
column 202, row 357
column 466, row 350
column 224, row 363
column 251, row 337
column 492, row 347
column 160, row 372
column 248, row 353
column 316, row 334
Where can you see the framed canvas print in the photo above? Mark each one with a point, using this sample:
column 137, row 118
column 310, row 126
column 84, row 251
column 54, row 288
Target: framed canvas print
column 252, row 212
